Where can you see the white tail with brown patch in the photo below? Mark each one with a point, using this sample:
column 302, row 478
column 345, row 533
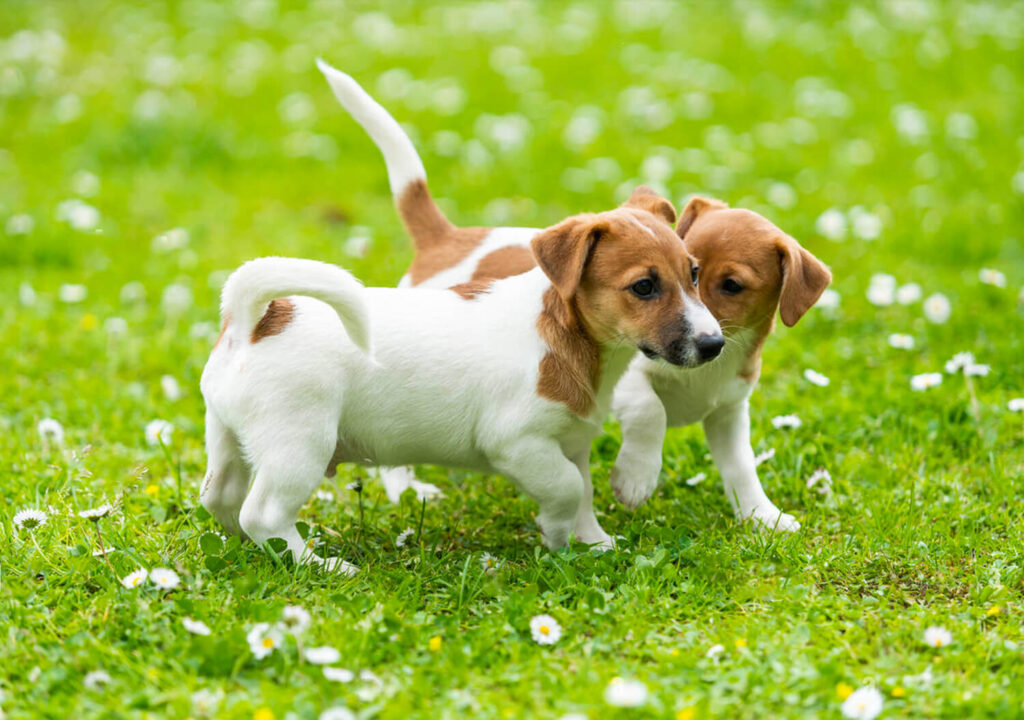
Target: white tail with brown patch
column 249, row 289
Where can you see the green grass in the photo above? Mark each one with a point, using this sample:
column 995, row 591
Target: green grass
column 923, row 525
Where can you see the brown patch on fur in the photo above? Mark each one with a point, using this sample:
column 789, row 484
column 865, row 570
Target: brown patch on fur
column 504, row 262
column 472, row 289
column 570, row 370
column 276, row 318
column 223, row 329
column 439, row 244
column 644, row 198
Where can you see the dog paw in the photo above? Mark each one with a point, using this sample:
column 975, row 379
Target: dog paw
column 337, row 565
column 771, row 519
column 632, row 492
column 599, row 540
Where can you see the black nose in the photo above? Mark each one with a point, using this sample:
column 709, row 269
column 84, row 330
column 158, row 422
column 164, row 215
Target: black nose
column 710, row 346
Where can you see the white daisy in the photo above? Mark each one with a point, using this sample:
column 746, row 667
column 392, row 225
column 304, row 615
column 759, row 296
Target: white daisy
column 80, row 215
column 1016, row 405
column 881, row 295
column 20, row 224
column 901, row 341
column 924, row 678
column 164, row 578
column 263, row 640
column 51, row 431
column 206, row 702
column 196, row 627
column 908, row 294
column 176, row 300
column 96, row 679
column 937, row 636
column 29, row 518
column 977, row 370
column 925, row 381
column 94, row 514
column 336, row 674
column 356, row 485
column 171, row 388
column 103, row 551
column 816, row 378
column 786, row 421
column 325, row 496
column 697, row 479
column 864, row 223
column 490, row 563
column 545, row 629
column 26, row 294
column 72, row 293
column 831, row 224
column 337, row 713
column 324, row 655
column 821, row 478
column 403, row 537
column 959, row 361
column 937, row 308
column 992, row 277
column 115, row 326
column 764, row 457
column 829, row 300
column 863, row 704
column 714, row 651
column 174, row 239
column 295, row 619
column 135, row 579
column 158, row 432
column 623, row 692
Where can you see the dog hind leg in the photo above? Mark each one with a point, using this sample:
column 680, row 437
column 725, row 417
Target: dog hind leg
column 227, row 475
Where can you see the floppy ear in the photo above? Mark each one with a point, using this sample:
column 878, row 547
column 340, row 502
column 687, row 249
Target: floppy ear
column 562, row 251
column 644, row 198
column 804, row 279
column 693, row 210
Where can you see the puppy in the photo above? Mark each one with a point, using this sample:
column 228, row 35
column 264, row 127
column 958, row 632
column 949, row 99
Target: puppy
column 512, row 376
column 750, row 270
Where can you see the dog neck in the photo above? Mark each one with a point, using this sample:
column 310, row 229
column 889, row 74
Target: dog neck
column 576, row 370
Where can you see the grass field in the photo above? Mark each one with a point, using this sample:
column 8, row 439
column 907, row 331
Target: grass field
column 146, row 149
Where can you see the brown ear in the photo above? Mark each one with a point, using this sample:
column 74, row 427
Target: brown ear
column 693, row 210
column 563, row 251
column 644, row 198
column 804, row 279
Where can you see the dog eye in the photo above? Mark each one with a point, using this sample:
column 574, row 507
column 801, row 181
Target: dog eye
column 694, row 274
column 731, row 287
column 643, row 288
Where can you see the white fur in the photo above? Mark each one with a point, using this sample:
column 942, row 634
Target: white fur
column 452, row 382
column 400, row 156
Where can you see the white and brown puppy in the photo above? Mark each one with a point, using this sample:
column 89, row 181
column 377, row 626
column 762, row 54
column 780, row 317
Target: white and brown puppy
column 512, row 376
column 750, row 269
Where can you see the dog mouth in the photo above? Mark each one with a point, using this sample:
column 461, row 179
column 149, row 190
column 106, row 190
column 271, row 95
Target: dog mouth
column 648, row 351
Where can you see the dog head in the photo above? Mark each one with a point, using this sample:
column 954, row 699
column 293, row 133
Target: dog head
column 628, row 279
column 749, row 267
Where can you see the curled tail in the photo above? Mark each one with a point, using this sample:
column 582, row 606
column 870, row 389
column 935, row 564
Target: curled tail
column 249, row 289
column 424, row 220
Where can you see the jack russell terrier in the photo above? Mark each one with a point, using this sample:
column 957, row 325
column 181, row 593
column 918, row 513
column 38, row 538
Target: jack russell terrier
column 512, row 376
column 750, row 269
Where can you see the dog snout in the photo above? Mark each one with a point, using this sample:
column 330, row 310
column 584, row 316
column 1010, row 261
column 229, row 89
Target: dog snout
column 709, row 346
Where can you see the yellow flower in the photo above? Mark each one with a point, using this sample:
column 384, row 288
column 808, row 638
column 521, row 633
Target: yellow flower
column 152, row 489
column 674, row 652
column 898, row 692
column 687, row 713
column 844, row 691
column 993, row 611
column 263, row 713
column 741, row 643
column 89, row 322
column 435, row 643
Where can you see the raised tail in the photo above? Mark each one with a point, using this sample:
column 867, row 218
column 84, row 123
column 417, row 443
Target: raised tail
column 424, row 220
column 250, row 287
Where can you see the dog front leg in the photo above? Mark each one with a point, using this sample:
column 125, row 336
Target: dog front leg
column 588, row 529
column 642, row 416
column 542, row 471
column 728, row 433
